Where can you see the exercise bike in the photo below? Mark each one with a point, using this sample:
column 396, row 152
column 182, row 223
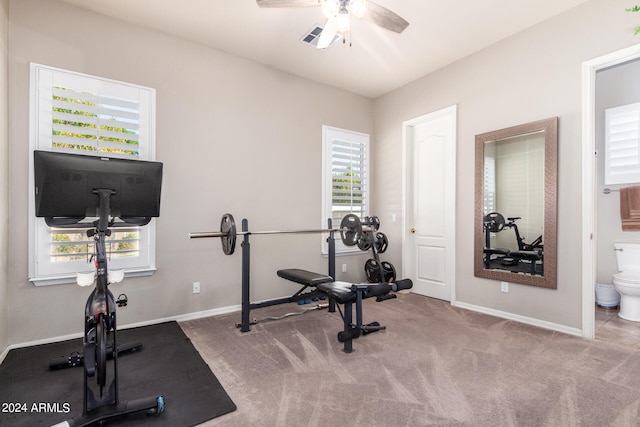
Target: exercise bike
column 68, row 189
column 528, row 258
column 99, row 340
column 100, row 323
column 536, row 244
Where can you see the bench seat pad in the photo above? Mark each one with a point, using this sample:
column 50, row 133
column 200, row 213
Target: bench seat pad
column 341, row 292
column 304, row 277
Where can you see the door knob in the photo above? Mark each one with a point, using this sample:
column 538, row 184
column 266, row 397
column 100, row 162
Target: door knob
column 413, row 230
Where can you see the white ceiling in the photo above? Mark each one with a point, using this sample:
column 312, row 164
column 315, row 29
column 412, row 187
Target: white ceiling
column 378, row 60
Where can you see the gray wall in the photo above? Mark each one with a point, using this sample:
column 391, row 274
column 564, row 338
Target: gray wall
column 615, row 86
column 231, row 132
column 234, row 136
column 533, row 75
column 4, row 167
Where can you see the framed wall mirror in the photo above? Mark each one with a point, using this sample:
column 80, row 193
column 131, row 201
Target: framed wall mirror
column 516, row 202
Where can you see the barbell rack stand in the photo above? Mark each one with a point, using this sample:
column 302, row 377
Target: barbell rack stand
column 247, row 305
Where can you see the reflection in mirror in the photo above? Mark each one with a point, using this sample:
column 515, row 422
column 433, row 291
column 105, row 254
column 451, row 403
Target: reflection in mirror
column 514, row 190
column 516, row 204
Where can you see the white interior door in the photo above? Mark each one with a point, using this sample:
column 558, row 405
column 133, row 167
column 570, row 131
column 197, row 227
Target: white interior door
column 429, row 232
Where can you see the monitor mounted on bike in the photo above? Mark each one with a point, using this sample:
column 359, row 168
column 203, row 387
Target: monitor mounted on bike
column 67, row 187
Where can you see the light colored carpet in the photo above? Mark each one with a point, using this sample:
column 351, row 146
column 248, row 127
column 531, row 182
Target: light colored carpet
column 435, row 365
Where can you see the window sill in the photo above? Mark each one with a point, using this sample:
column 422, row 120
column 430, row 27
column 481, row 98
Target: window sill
column 71, row 279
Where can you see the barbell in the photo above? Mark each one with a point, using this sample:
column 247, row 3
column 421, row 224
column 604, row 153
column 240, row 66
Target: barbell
column 351, row 231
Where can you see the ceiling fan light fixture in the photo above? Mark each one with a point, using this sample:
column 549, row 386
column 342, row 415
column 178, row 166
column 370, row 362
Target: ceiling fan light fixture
column 344, row 23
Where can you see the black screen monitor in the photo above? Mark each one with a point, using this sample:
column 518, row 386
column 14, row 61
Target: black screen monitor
column 65, row 186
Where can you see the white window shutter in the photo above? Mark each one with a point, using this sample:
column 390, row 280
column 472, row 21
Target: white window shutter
column 349, row 177
column 82, row 114
column 489, row 185
column 346, row 176
column 622, row 144
column 95, row 124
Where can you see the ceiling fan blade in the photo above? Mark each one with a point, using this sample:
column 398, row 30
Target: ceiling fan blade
column 328, row 33
column 384, row 18
column 287, row 3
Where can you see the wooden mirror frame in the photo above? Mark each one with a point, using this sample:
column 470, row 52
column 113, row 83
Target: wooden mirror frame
column 549, row 278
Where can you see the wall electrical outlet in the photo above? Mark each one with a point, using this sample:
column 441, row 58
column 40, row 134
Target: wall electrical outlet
column 344, row 268
column 196, row 287
column 504, row 287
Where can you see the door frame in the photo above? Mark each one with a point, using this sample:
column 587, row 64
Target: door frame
column 407, row 178
column 589, row 231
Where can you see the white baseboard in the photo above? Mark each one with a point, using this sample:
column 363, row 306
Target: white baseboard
column 178, row 318
column 185, row 317
column 518, row 318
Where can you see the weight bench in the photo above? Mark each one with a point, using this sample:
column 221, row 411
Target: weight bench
column 347, row 294
column 489, row 252
column 532, row 256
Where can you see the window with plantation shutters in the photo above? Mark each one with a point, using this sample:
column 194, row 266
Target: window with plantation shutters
column 489, row 185
column 622, row 144
column 345, row 176
column 82, row 114
column 92, row 123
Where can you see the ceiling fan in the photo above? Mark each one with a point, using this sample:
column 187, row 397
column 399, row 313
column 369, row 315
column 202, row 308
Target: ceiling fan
column 339, row 12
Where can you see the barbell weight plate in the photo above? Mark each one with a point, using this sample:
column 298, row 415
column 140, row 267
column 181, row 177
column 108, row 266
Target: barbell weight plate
column 228, row 229
column 494, row 222
column 374, row 223
column 381, row 242
column 389, row 272
column 350, row 229
column 372, row 271
column 365, row 241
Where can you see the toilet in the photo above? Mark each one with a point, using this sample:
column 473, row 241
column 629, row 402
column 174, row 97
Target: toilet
column 627, row 282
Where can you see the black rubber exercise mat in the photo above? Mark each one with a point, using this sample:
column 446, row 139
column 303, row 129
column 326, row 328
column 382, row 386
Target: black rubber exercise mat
column 167, row 365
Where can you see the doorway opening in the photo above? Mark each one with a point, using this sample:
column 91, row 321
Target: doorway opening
column 590, row 70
